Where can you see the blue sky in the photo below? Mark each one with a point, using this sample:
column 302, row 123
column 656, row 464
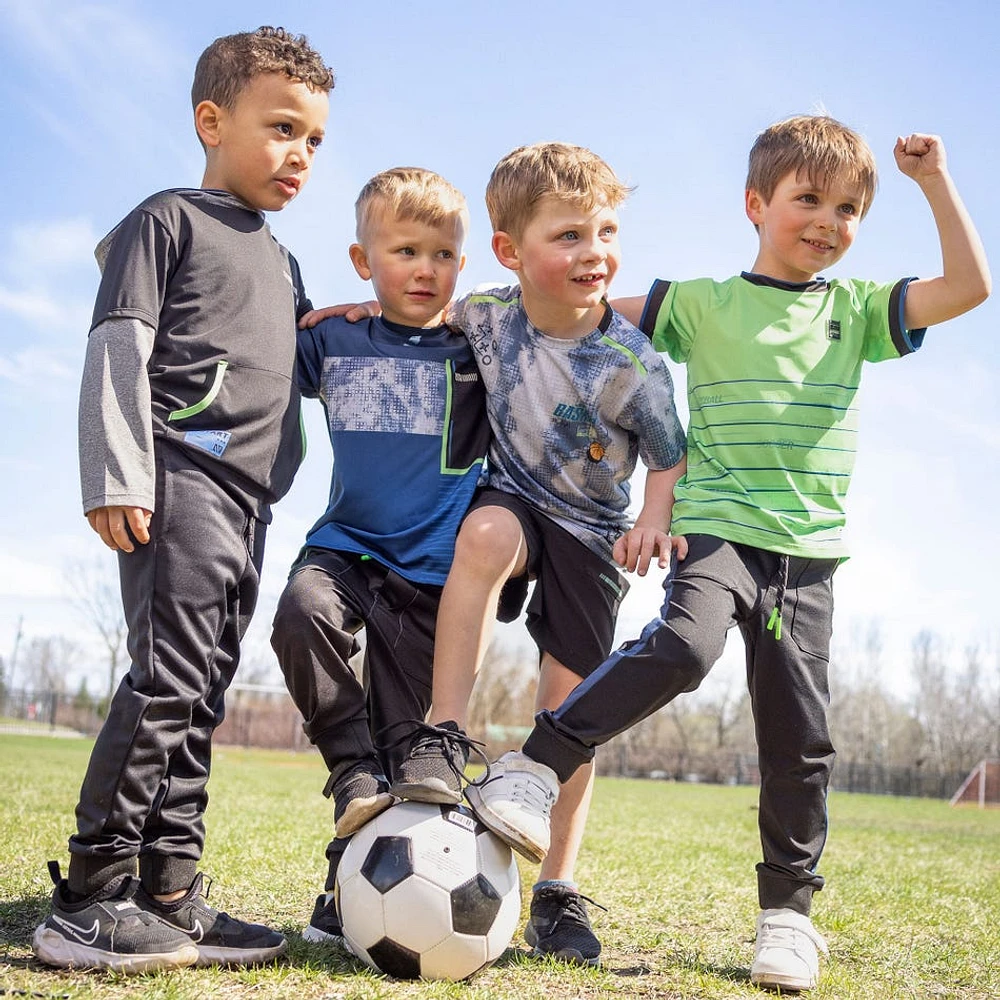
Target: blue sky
column 96, row 116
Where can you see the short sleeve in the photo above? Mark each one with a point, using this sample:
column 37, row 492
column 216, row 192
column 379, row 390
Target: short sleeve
column 886, row 336
column 138, row 258
column 309, row 353
column 673, row 313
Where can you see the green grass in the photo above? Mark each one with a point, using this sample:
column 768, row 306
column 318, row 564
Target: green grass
column 911, row 908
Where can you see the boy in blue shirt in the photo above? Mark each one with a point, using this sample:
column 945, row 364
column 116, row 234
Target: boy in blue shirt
column 407, row 420
column 774, row 359
column 189, row 431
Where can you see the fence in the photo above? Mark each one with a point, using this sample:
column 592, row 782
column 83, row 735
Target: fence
column 264, row 716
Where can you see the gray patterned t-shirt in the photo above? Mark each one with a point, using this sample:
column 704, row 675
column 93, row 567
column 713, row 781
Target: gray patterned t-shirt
column 570, row 417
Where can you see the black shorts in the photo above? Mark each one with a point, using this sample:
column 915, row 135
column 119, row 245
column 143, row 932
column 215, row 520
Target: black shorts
column 574, row 605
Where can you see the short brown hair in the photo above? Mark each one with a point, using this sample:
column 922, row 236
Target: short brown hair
column 231, row 62
column 548, row 169
column 817, row 145
column 410, row 193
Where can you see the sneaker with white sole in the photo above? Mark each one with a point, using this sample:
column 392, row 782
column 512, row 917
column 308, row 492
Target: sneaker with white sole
column 359, row 795
column 786, row 953
column 514, row 799
column 219, row 938
column 324, row 924
column 108, row 930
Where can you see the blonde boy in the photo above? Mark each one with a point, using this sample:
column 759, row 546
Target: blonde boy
column 189, row 431
column 575, row 395
column 407, row 421
column 774, row 359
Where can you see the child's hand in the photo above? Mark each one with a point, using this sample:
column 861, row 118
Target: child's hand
column 635, row 549
column 920, row 156
column 351, row 311
column 110, row 523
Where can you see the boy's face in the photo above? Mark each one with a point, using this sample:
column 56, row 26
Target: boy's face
column 804, row 229
column 565, row 260
column 261, row 149
column 413, row 266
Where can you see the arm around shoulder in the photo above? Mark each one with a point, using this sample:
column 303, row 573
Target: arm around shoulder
column 965, row 281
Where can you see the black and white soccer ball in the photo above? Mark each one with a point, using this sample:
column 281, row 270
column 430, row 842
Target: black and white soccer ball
column 426, row 891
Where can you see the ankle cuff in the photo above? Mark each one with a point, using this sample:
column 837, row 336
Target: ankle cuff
column 162, row 873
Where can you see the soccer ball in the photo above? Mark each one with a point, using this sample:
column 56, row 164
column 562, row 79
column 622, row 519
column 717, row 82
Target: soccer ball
column 427, row 891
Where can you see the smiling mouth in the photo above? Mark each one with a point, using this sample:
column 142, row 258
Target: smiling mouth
column 589, row 279
column 819, row 245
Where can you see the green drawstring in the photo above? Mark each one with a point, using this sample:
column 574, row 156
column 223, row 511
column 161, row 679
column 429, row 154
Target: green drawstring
column 781, row 574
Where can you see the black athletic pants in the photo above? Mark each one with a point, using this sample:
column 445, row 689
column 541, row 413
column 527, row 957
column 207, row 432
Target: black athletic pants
column 720, row 585
column 188, row 595
column 329, row 598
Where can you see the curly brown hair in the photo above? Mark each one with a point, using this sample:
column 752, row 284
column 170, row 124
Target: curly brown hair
column 231, row 62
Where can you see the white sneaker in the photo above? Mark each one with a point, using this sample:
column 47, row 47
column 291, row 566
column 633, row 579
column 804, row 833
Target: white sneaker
column 514, row 801
column 786, row 951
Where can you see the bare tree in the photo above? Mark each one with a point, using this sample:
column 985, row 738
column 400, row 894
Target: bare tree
column 95, row 594
column 48, row 661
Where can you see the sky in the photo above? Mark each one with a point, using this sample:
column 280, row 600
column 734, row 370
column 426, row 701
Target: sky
column 94, row 98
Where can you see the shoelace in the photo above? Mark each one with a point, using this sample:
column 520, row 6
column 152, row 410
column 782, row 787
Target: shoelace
column 429, row 741
column 572, row 903
column 779, row 935
column 528, row 789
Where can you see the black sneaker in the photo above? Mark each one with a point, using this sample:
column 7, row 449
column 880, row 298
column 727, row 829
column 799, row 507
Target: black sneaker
column 108, row 930
column 219, row 938
column 434, row 767
column 359, row 795
column 559, row 926
column 324, row 924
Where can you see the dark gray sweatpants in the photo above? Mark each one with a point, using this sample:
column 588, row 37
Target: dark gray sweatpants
column 719, row 585
column 330, row 596
column 188, row 596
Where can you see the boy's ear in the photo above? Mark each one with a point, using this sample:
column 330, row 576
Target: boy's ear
column 359, row 258
column 207, row 119
column 754, row 206
column 505, row 250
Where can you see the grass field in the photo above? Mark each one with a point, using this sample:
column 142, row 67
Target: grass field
column 911, row 908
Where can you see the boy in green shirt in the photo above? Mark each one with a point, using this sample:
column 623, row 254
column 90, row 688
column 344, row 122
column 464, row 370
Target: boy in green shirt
column 774, row 361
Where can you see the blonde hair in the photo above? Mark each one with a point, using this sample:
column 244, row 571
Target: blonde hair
column 548, row 169
column 409, row 193
column 817, row 145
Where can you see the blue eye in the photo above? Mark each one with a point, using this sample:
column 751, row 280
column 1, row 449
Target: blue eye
column 316, row 141
column 570, row 235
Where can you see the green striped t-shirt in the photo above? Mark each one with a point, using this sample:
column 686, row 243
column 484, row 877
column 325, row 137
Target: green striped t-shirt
column 772, row 373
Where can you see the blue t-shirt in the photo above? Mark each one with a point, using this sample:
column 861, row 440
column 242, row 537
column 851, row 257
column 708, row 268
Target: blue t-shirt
column 406, row 413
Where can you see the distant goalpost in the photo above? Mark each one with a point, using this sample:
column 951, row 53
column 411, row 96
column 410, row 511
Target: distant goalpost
column 981, row 787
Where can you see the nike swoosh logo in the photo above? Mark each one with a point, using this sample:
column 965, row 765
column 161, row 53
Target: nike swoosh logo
column 196, row 933
column 88, row 935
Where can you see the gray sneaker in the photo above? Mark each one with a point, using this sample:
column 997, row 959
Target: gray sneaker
column 434, row 767
column 108, row 930
column 514, row 799
column 786, row 953
column 359, row 795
